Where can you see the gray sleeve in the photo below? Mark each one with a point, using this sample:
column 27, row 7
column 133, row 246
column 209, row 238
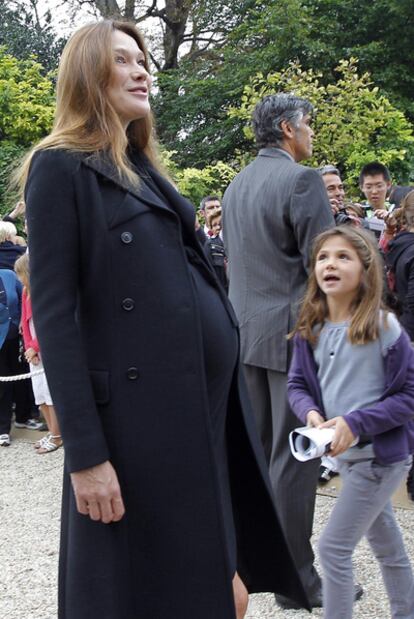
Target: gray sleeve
column 389, row 334
column 310, row 211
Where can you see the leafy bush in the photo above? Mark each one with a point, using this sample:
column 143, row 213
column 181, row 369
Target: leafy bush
column 354, row 123
column 195, row 184
column 26, row 113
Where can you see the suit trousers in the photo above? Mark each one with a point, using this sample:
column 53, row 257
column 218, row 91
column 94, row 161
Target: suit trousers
column 294, row 483
column 364, row 508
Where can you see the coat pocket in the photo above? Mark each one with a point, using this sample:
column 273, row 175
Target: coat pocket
column 100, row 385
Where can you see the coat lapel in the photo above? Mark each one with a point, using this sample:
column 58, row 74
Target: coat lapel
column 179, row 204
column 129, row 208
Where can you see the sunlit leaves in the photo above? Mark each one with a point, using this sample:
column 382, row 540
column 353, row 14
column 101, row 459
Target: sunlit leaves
column 354, row 123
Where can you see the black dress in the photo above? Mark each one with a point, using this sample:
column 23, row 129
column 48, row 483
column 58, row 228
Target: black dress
column 220, row 342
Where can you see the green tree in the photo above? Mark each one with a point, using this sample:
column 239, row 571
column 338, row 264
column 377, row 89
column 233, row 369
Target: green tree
column 191, row 106
column 205, row 51
column 195, row 183
column 176, row 29
column 24, row 34
column 26, row 113
column 266, row 35
column 354, row 122
column 380, row 34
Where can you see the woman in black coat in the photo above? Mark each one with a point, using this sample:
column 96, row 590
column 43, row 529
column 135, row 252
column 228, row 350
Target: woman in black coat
column 167, row 509
column 400, row 262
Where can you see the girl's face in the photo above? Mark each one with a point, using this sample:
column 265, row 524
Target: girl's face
column 129, row 88
column 338, row 270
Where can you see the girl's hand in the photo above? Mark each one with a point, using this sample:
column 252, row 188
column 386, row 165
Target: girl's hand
column 31, row 356
column 343, row 437
column 314, row 419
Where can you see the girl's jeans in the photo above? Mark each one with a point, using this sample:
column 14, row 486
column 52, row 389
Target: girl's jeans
column 364, row 508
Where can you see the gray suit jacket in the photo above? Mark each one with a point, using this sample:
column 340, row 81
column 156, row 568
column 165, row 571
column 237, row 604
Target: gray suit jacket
column 272, row 211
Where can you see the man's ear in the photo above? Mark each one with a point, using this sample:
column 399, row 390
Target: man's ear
column 288, row 130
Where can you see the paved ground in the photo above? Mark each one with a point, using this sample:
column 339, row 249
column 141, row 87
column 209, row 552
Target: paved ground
column 29, row 525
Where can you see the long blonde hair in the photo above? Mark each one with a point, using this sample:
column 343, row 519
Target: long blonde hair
column 364, row 325
column 85, row 120
column 22, row 270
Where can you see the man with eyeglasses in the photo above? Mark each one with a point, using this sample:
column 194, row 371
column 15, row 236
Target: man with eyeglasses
column 375, row 184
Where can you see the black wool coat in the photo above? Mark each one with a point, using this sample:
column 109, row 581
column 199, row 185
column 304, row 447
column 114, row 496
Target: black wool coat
column 400, row 260
column 119, row 331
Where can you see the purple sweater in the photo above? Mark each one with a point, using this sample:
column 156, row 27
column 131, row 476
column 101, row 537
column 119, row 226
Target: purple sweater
column 390, row 422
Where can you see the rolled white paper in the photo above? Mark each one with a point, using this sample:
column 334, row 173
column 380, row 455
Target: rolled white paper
column 308, row 443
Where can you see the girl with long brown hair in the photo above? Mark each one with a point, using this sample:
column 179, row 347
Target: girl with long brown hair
column 353, row 370
column 53, row 439
column 166, row 496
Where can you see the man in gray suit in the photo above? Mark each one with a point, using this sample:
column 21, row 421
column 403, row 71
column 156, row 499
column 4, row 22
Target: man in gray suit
column 271, row 212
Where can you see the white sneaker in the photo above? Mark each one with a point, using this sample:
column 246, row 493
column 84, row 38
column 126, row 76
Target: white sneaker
column 4, row 440
column 30, row 424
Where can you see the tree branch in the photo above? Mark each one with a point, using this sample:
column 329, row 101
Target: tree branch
column 129, row 9
column 155, row 62
column 107, row 8
column 33, row 4
column 195, row 38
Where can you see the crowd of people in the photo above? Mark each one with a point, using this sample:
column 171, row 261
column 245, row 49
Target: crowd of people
column 273, row 211
column 29, row 401
column 180, row 355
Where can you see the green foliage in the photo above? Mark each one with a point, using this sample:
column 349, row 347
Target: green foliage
column 354, row 122
column 380, row 34
column 23, row 36
column 192, row 101
column 194, row 183
column 26, row 113
column 26, row 99
column 10, row 154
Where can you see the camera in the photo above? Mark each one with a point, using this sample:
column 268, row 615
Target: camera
column 342, row 217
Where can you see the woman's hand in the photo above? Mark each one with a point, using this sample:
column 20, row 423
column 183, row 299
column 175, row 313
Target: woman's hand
column 98, row 494
column 314, row 419
column 31, row 356
column 343, row 437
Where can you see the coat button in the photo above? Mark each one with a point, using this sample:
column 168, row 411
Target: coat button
column 126, row 237
column 132, row 373
column 128, row 304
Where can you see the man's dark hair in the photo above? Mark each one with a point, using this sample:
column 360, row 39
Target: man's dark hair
column 271, row 111
column 207, row 199
column 329, row 169
column 372, row 169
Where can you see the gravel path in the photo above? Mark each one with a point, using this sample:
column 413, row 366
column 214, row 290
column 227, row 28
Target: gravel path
column 29, row 524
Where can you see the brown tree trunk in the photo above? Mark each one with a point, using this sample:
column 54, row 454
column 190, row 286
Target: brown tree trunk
column 176, row 17
column 108, row 8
